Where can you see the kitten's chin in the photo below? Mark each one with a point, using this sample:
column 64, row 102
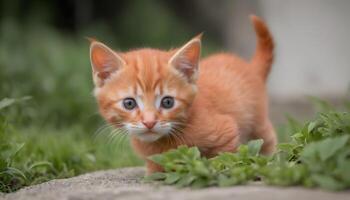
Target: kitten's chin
column 148, row 137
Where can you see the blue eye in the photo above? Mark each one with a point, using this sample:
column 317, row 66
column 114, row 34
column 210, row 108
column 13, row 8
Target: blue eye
column 167, row 102
column 129, row 103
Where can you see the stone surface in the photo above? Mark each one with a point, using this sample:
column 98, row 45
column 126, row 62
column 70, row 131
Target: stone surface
column 126, row 184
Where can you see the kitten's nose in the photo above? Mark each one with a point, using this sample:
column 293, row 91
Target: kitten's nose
column 149, row 119
column 149, row 124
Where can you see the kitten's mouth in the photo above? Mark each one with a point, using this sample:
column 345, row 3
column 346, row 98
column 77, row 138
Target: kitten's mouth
column 149, row 136
column 150, row 132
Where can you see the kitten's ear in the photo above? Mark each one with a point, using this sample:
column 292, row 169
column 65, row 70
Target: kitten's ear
column 186, row 59
column 104, row 62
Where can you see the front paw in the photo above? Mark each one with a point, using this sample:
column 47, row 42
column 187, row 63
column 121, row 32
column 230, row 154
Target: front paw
column 153, row 167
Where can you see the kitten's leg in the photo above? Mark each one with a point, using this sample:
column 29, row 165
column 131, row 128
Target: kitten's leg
column 228, row 136
column 153, row 167
column 266, row 132
column 230, row 146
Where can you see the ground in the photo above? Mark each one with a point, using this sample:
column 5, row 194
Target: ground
column 127, row 184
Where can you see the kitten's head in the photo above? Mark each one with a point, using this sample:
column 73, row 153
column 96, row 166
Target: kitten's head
column 146, row 92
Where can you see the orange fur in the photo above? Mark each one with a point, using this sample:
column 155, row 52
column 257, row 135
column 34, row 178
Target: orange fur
column 219, row 102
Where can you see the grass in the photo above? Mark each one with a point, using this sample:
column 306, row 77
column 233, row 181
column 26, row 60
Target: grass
column 33, row 155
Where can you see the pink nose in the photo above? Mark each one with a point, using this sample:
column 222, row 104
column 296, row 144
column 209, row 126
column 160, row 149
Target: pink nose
column 149, row 124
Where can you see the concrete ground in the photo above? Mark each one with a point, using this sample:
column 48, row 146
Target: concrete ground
column 127, row 184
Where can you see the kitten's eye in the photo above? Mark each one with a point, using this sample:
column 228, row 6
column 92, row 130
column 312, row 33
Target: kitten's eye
column 129, row 103
column 167, row 102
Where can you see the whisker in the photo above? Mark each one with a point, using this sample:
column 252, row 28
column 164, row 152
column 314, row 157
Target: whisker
column 182, row 124
column 101, row 130
column 179, row 132
column 175, row 132
column 172, row 139
column 117, row 136
column 123, row 142
column 121, row 139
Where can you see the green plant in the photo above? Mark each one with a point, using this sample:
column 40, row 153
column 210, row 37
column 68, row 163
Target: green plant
column 318, row 155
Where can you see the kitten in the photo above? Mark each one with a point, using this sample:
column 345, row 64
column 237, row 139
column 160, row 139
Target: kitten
column 164, row 99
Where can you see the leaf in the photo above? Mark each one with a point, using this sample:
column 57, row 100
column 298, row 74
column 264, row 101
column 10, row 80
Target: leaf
column 6, row 102
column 311, row 126
column 288, row 147
column 225, row 181
column 16, row 149
column 343, row 164
column 40, row 164
column 171, row 178
column 325, row 148
column 200, row 168
column 157, row 158
column 194, row 151
column 343, row 170
column 185, row 180
column 330, row 146
column 310, row 151
column 13, row 170
column 156, row 176
column 327, row 182
column 254, row 146
column 298, row 135
column 243, row 149
column 200, row 183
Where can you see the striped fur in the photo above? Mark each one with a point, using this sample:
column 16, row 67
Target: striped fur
column 220, row 101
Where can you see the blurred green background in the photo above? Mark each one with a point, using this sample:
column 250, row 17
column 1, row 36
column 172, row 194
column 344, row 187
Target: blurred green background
column 49, row 124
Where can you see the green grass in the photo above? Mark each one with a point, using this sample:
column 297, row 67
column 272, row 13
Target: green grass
column 33, row 155
column 317, row 155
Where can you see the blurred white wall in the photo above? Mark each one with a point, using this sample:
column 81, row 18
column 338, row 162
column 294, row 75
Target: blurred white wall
column 312, row 44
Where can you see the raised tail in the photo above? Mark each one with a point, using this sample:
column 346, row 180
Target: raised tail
column 263, row 57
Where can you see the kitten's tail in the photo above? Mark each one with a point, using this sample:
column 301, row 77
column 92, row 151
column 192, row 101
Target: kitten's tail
column 263, row 57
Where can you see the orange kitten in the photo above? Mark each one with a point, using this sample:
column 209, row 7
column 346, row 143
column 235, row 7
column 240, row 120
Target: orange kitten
column 164, row 99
